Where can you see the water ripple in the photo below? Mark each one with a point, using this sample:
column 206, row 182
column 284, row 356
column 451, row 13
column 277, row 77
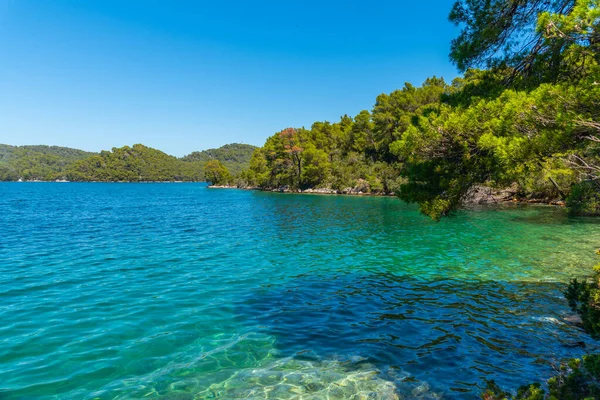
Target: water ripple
column 178, row 291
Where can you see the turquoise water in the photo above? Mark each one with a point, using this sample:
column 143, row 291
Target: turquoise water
column 178, row 291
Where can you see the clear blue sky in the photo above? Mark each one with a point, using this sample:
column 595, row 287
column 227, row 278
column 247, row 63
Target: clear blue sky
column 189, row 75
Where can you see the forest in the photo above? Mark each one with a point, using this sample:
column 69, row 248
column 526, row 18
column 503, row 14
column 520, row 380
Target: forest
column 524, row 114
column 36, row 162
column 235, row 156
column 137, row 163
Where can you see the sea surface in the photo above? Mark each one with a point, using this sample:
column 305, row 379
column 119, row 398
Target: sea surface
column 177, row 291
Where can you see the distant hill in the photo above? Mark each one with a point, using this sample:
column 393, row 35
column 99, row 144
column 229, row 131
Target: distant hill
column 136, row 163
column 37, row 162
column 235, row 156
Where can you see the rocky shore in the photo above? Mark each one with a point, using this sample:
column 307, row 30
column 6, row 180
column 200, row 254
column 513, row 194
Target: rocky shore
column 346, row 191
column 355, row 191
column 488, row 195
column 477, row 195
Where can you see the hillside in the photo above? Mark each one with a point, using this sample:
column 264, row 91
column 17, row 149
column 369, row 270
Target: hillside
column 138, row 163
column 37, row 162
column 135, row 164
column 235, row 156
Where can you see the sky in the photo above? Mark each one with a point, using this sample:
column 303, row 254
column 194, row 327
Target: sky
column 183, row 76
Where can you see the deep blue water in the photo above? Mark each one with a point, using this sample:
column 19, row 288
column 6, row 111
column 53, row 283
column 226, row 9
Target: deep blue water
column 179, row 291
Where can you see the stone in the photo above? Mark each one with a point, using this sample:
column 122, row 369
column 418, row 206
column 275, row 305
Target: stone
column 574, row 320
column 420, row 390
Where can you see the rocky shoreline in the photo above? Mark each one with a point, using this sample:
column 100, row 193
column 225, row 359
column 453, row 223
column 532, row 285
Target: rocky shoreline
column 477, row 195
column 487, row 195
column 286, row 189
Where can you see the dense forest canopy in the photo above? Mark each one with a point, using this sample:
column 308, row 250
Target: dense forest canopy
column 216, row 173
column 530, row 120
column 509, row 34
column 135, row 164
column 36, row 162
column 235, row 156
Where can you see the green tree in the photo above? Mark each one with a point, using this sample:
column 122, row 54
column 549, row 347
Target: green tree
column 37, row 162
column 235, row 156
column 216, row 173
column 502, row 33
column 292, row 141
column 138, row 163
column 532, row 41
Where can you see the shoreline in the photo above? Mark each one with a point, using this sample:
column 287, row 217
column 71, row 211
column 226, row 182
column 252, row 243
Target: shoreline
column 331, row 192
column 318, row 191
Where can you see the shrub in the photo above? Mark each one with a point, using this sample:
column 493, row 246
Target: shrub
column 527, row 392
column 584, row 299
column 576, row 380
column 584, row 198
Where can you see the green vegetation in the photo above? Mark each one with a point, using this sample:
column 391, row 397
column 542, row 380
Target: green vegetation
column 577, row 380
column 134, row 164
column 584, row 299
column 235, row 156
column 584, row 198
column 529, row 119
column 495, row 392
column 37, row 162
column 216, row 173
column 126, row 164
column 350, row 153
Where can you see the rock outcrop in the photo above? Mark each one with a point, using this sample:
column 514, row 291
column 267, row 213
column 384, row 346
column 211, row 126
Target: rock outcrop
column 488, row 195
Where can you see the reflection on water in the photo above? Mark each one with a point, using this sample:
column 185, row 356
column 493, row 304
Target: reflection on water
column 177, row 291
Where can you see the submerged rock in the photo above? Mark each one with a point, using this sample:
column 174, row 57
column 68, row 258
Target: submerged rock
column 295, row 379
column 227, row 371
column 574, row 320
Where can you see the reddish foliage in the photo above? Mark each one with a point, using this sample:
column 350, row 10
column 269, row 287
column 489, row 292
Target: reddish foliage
column 291, row 140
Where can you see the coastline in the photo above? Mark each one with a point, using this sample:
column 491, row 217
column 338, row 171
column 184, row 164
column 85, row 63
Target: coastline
column 317, row 191
column 486, row 200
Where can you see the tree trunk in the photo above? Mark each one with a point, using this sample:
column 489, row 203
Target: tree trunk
column 562, row 195
column 299, row 166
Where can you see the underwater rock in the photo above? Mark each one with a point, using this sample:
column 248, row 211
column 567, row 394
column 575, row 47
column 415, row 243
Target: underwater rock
column 295, row 379
column 219, row 372
column 420, row 390
column 574, row 320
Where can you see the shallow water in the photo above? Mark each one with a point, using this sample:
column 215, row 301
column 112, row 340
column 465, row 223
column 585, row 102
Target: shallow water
column 179, row 291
